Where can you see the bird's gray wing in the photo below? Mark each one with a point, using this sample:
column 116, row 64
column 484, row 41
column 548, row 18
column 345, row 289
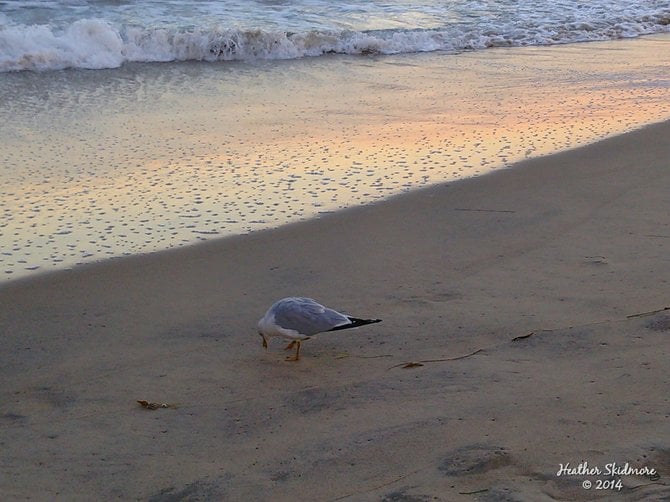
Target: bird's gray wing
column 306, row 316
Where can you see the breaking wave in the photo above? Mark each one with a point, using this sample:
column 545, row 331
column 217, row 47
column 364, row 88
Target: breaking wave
column 98, row 44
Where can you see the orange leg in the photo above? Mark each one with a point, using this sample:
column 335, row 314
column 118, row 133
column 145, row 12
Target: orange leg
column 297, row 351
column 290, row 345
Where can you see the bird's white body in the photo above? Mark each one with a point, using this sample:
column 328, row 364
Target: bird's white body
column 268, row 326
column 298, row 318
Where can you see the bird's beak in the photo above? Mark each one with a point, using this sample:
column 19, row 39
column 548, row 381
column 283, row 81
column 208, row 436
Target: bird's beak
column 265, row 342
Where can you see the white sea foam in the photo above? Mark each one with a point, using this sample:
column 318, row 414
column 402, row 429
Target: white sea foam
column 46, row 35
column 88, row 43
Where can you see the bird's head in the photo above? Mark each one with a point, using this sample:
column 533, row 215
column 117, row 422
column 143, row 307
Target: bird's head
column 265, row 332
column 265, row 340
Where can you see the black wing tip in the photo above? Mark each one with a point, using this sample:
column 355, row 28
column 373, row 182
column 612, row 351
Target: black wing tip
column 362, row 322
column 355, row 323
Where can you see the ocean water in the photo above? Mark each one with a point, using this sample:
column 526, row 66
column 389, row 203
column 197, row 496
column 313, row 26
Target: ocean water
column 96, row 34
column 133, row 127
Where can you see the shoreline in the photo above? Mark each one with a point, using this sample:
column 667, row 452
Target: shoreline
column 135, row 160
column 521, row 164
column 551, row 277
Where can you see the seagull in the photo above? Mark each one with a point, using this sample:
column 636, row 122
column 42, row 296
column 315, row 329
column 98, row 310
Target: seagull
column 298, row 319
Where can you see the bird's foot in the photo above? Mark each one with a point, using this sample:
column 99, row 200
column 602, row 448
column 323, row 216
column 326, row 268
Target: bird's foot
column 296, row 357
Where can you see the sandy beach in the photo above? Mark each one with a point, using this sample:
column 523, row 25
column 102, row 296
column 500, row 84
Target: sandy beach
column 551, row 277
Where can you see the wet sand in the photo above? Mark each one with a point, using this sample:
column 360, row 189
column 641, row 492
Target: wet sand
column 150, row 157
column 571, row 249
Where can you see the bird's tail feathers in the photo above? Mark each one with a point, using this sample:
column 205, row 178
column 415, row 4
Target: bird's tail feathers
column 355, row 323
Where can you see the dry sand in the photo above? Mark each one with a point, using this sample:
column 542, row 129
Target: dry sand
column 564, row 247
